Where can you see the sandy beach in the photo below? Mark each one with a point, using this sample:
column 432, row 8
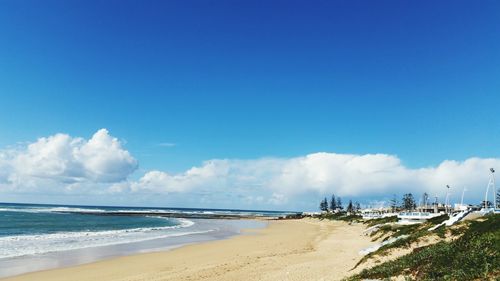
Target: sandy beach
column 304, row 249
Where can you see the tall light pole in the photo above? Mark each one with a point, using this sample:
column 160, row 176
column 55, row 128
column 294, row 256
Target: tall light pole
column 463, row 192
column 447, row 200
column 491, row 183
column 494, row 188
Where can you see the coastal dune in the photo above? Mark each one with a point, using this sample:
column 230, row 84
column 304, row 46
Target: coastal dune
column 304, row 249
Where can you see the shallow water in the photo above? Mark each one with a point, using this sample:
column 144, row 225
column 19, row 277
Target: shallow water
column 34, row 237
column 202, row 230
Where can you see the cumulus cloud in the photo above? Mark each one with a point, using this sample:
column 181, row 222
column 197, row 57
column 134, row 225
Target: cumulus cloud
column 62, row 159
column 101, row 164
column 321, row 173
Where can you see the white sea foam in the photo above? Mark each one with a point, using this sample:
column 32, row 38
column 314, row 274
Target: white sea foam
column 160, row 211
column 148, row 211
column 15, row 246
column 52, row 210
column 138, row 211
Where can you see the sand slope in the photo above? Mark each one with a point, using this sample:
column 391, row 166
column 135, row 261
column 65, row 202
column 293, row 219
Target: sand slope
column 287, row 250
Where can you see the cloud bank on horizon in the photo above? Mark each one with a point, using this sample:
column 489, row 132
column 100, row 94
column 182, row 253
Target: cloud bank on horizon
column 101, row 165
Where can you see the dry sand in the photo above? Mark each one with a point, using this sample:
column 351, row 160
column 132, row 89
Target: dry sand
column 304, row 249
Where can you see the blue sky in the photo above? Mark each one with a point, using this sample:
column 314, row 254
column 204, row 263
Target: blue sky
column 254, row 79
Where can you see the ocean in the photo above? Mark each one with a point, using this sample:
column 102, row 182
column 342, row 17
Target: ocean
column 35, row 237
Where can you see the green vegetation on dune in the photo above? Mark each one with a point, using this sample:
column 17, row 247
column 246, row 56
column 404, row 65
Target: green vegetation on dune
column 374, row 222
column 407, row 235
column 341, row 216
column 437, row 220
column 475, row 255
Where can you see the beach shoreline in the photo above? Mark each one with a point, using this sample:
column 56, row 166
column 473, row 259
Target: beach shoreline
column 305, row 249
column 197, row 231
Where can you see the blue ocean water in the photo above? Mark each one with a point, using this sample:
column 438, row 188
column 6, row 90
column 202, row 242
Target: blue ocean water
column 43, row 220
column 32, row 229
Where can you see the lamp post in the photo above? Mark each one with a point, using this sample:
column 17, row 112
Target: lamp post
column 494, row 189
column 447, row 200
column 492, row 184
column 463, row 193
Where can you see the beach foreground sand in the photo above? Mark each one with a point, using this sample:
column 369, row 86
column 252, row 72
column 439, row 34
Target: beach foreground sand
column 304, row 249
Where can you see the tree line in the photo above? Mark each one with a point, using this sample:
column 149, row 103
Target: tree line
column 335, row 205
column 408, row 203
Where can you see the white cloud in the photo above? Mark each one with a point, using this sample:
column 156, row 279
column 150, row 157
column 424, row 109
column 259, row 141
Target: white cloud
column 277, row 199
column 100, row 165
column 64, row 160
column 321, row 173
column 167, row 144
column 103, row 158
column 212, row 173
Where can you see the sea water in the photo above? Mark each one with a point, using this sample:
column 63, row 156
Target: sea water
column 35, row 237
